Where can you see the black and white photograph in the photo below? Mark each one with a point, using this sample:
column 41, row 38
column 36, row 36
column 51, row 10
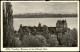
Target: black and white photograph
column 39, row 24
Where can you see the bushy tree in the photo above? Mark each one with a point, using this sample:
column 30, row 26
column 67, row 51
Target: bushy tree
column 70, row 38
column 42, row 41
column 74, row 32
column 16, row 42
column 33, row 41
column 67, row 39
column 29, row 41
column 52, row 40
column 45, row 31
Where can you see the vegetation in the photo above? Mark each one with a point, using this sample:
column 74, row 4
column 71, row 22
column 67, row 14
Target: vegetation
column 70, row 38
column 45, row 38
column 41, row 36
column 7, row 24
column 53, row 41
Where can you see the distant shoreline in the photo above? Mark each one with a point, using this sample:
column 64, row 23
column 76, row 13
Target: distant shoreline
column 33, row 15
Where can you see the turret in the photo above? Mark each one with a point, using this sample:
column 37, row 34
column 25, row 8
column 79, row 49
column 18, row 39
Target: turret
column 39, row 25
column 65, row 24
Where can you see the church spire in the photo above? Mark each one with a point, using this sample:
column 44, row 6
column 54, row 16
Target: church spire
column 39, row 25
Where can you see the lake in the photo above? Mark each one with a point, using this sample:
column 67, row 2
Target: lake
column 71, row 22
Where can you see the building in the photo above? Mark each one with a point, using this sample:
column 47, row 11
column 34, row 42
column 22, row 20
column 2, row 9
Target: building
column 61, row 25
column 61, row 28
column 38, row 29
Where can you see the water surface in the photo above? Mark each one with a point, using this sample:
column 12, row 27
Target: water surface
column 71, row 22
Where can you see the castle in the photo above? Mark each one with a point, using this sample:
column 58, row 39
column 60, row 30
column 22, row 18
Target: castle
column 60, row 26
column 38, row 29
column 59, row 30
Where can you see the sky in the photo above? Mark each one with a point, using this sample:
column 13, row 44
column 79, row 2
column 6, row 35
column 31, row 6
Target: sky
column 44, row 7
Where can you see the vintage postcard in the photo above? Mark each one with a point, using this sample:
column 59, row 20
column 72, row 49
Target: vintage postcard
column 39, row 26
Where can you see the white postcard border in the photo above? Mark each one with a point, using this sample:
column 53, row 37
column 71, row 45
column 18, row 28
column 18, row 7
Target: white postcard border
column 37, row 48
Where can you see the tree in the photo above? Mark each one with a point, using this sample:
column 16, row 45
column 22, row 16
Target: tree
column 74, row 32
column 52, row 40
column 16, row 41
column 33, row 41
column 70, row 38
column 45, row 31
column 29, row 41
column 42, row 41
column 67, row 40
column 7, row 24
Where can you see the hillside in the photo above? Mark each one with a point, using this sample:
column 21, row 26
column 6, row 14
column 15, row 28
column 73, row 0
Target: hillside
column 43, row 15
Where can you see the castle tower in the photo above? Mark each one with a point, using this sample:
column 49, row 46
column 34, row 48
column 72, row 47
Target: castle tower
column 39, row 27
column 58, row 25
column 20, row 28
column 65, row 24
